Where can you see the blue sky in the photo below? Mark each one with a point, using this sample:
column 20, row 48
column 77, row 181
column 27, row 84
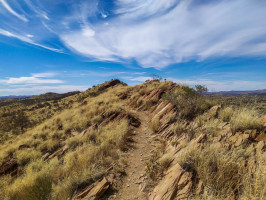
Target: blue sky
column 66, row 45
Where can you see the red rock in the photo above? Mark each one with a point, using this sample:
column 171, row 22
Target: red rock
column 201, row 138
column 261, row 137
column 167, row 187
column 106, row 121
column 98, row 190
column 184, row 192
column 199, row 187
column 264, row 120
column 213, row 112
column 8, row 167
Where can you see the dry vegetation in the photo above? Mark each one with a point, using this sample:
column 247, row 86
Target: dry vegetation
column 89, row 153
column 87, row 158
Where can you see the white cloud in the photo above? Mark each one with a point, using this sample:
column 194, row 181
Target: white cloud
column 27, row 39
column 226, row 85
column 155, row 38
column 35, row 79
column 9, row 9
column 212, row 85
column 139, row 78
column 42, row 89
column 155, row 33
column 45, row 74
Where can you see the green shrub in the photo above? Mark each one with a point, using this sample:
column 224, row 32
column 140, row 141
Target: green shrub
column 189, row 102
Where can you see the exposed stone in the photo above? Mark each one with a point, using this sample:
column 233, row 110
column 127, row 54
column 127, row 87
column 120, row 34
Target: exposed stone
column 45, row 156
column 108, row 119
column 95, row 191
column 264, row 120
column 23, row 146
column 199, row 188
column 164, row 110
column 201, row 138
column 167, row 187
column 156, row 92
column 261, row 137
column 260, row 146
column 252, row 133
column 213, row 112
column 184, row 192
column 185, row 178
column 9, row 166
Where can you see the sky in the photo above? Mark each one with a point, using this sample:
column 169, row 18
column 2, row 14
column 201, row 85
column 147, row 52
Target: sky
column 67, row 45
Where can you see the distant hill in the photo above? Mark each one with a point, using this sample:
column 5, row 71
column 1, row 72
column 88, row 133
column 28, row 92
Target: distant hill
column 251, row 92
column 15, row 97
column 29, row 100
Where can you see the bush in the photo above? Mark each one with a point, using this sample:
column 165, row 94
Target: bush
column 189, row 102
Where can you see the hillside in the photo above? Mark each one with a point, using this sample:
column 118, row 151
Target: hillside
column 31, row 111
column 157, row 140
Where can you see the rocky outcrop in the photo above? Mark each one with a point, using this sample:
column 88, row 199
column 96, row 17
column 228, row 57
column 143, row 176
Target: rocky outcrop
column 96, row 190
column 176, row 184
column 109, row 84
column 213, row 112
column 9, row 166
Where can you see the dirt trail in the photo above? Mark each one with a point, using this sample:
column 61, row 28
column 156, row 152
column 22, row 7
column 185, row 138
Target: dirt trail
column 142, row 148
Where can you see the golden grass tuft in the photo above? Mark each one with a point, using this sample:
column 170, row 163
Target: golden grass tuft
column 155, row 124
column 241, row 118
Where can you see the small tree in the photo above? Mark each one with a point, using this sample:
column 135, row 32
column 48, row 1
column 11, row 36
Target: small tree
column 21, row 121
column 201, row 88
column 156, row 77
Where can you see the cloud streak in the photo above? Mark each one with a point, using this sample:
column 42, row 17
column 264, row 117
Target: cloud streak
column 185, row 32
column 32, row 80
column 9, row 9
column 153, row 33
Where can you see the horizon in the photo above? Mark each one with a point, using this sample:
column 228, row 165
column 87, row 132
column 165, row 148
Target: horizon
column 26, row 96
column 62, row 47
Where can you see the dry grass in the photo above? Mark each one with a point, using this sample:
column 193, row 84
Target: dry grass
column 180, row 127
column 222, row 173
column 155, row 124
column 87, row 158
column 241, row 118
column 58, row 180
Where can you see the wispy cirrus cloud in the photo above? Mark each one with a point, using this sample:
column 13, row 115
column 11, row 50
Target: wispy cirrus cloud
column 10, row 10
column 38, row 78
column 156, row 38
column 154, row 33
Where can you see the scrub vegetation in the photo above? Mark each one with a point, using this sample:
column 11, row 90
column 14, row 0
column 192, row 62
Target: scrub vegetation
column 53, row 146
